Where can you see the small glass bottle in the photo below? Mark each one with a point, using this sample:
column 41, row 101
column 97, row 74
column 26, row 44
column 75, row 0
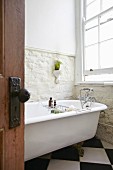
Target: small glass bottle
column 50, row 102
column 54, row 103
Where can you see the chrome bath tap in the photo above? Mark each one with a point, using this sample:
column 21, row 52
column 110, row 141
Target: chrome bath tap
column 87, row 97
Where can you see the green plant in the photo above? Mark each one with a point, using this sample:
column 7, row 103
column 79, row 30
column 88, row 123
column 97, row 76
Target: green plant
column 57, row 64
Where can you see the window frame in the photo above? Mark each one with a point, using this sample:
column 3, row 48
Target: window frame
column 80, row 41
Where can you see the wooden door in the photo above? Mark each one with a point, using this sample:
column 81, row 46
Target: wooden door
column 11, row 64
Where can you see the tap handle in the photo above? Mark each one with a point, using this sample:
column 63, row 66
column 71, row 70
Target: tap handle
column 86, row 89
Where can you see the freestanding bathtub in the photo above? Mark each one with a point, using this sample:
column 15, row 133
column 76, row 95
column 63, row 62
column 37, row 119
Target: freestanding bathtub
column 46, row 132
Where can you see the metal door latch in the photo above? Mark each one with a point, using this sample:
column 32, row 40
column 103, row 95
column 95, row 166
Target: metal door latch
column 16, row 95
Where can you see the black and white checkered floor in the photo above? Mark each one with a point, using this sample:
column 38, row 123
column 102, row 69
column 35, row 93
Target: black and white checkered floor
column 98, row 155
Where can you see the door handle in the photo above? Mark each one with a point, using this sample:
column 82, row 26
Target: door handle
column 16, row 95
column 23, row 95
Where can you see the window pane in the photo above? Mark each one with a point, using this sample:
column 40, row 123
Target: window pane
column 93, row 9
column 89, row 1
column 102, row 77
column 91, row 24
column 91, row 32
column 98, row 39
column 91, row 36
column 91, row 57
column 106, row 54
column 106, row 4
column 106, row 26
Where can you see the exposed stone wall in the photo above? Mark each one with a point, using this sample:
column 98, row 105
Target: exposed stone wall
column 103, row 94
column 39, row 78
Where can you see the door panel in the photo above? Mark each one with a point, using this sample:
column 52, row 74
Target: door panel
column 1, row 34
column 1, row 148
column 11, row 64
column 2, row 82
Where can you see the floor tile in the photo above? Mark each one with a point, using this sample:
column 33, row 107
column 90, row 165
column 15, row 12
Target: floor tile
column 37, row 164
column 93, row 166
column 47, row 156
column 110, row 154
column 95, row 155
column 98, row 155
column 94, row 143
column 63, row 165
column 68, row 153
column 107, row 145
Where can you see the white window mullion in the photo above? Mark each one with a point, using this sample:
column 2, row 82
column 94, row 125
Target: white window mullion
column 98, row 71
column 101, row 5
column 84, row 9
column 99, row 64
column 79, row 41
column 99, row 42
column 83, row 37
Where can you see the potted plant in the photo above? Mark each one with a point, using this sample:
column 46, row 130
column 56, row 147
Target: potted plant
column 56, row 71
column 57, row 64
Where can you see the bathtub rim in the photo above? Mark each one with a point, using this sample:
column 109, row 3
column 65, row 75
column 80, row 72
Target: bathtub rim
column 48, row 117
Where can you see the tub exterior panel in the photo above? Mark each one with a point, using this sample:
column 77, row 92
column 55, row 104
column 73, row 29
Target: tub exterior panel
column 47, row 136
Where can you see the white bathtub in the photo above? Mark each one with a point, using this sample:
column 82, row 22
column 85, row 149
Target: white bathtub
column 46, row 132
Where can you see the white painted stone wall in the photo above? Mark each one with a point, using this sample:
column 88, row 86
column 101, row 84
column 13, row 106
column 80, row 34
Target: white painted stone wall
column 103, row 94
column 40, row 81
column 39, row 78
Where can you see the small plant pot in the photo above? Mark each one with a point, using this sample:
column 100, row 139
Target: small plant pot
column 57, row 73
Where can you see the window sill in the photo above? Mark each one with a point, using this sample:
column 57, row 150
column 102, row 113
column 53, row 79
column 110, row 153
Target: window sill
column 95, row 83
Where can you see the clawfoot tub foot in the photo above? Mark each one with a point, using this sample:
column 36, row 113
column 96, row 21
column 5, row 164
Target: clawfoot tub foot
column 78, row 146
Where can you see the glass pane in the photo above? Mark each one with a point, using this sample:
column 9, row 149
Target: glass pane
column 106, row 16
column 102, row 77
column 91, row 57
column 91, row 33
column 106, row 26
column 91, row 24
column 106, row 4
column 106, row 54
column 93, row 9
column 91, row 36
column 89, row 1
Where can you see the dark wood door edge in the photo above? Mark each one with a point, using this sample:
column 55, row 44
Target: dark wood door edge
column 1, row 149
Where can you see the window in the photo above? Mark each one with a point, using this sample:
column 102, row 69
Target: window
column 97, row 40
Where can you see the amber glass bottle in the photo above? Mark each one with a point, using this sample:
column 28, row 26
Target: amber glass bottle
column 50, row 102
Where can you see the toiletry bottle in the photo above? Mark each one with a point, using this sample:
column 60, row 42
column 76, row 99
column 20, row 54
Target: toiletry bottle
column 54, row 103
column 50, row 102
